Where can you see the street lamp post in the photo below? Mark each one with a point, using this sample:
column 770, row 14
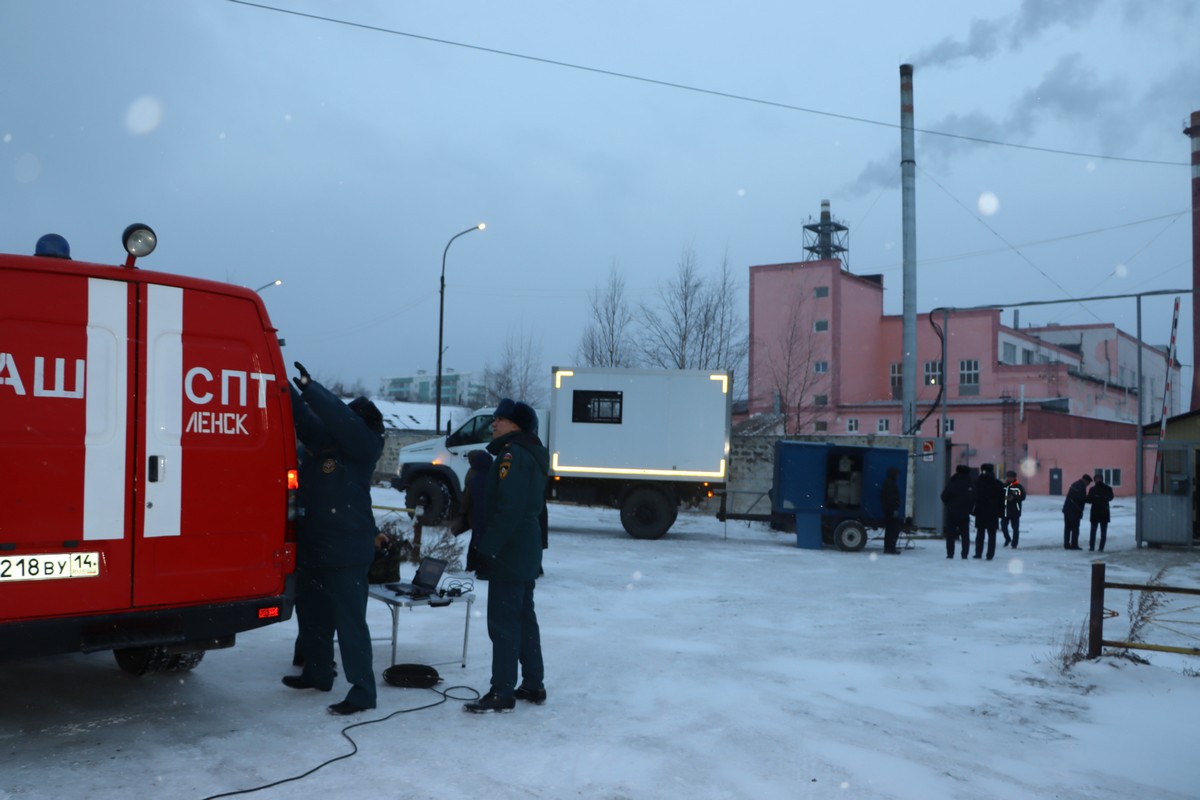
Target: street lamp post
column 275, row 282
column 441, row 318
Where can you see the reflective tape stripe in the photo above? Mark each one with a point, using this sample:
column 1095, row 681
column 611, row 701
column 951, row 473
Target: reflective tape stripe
column 107, row 410
column 164, row 410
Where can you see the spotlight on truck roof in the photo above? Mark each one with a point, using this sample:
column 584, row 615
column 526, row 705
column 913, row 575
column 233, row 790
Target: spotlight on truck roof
column 139, row 240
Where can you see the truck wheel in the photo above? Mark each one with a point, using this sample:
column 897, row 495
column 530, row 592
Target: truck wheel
column 646, row 514
column 142, row 660
column 431, row 494
column 850, row 534
column 185, row 662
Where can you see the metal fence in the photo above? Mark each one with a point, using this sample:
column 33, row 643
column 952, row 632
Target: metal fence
column 1096, row 639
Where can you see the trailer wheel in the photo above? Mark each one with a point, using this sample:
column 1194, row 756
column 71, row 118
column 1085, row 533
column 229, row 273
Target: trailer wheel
column 646, row 514
column 431, row 494
column 850, row 534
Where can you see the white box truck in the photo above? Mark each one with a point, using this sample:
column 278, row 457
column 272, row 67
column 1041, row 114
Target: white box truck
column 641, row 440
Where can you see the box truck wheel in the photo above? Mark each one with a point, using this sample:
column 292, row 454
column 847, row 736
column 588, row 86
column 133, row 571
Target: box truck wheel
column 850, row 534
column 646, row 513
column 431, row 494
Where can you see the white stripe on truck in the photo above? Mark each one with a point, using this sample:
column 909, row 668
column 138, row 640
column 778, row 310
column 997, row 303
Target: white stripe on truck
column 164, row 409
column 107, row 410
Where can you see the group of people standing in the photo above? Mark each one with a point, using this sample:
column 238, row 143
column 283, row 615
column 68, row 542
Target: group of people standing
column 995, row 506
column 340, row 444
column 998, row 505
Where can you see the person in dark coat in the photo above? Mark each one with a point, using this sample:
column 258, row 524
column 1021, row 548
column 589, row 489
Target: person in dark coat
column 1014, row 496
column 512, row 548
column 1073, row 512
column 989, row 505
column 959, row 499
column 335, row 538
column 889, row 497
column 1099, row 496
column 475, row 503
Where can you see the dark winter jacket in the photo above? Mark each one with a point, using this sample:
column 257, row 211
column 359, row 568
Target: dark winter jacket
column 475, row 502
column 959, row 495
column 989, row 500
column 889, row 495
column 1076, row 496
column 516, row 498
column 1014, row 496
column 1100, row 495
column 337, row 462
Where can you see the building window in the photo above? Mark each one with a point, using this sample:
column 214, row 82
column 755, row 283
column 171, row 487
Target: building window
column 1010, row 353
column 882, row 425
column 821, row 366
column 821, row 291
column 1111, row 476
column 1026, row 355
column 820, row 426
column 589, row 406
column 821, row 325
column 896, row 379
column 968, row 376
column 933, row 373
column 852, row 425
column 821, row 400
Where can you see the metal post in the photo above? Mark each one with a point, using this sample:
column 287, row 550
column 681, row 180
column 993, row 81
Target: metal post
column 1096, row 615
column 441, row 318
column 908, row 193
column 1138, row 467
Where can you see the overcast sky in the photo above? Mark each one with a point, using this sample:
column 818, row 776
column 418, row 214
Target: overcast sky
column 342, row 158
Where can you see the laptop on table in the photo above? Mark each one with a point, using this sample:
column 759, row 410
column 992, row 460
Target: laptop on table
column 425, row 582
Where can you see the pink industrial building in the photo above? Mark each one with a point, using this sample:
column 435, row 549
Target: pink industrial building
column 1051, row 403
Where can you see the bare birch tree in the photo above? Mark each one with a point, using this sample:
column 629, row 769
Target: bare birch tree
column 605, row 341
column 792, row 362
column 697, row 324
column 520, row 373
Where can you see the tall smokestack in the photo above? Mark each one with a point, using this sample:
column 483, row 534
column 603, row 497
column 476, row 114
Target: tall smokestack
column 1194, row 132
column 908, row 192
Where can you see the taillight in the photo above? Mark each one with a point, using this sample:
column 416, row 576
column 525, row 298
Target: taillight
column 293, row 479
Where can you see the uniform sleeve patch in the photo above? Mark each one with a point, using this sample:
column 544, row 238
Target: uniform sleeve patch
column 507, row 457
column 504, row 470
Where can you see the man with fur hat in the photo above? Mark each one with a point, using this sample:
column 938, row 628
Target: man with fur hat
column 512, row 548
column 989, row 505
column 335, row 538
column 959, row 498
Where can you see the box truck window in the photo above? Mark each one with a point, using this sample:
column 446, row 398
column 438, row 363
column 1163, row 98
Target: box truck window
column 593, row 406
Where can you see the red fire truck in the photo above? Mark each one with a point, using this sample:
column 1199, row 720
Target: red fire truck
column 147, row 494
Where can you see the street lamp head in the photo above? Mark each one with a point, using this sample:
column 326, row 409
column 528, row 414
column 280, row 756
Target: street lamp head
column 481, row 225
column 275, row 282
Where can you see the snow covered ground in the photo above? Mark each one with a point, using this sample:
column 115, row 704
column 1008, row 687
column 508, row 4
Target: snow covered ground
column 718, row 662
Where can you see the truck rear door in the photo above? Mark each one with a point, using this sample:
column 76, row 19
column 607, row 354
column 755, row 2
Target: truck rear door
column 215, row 444
column 65, row 544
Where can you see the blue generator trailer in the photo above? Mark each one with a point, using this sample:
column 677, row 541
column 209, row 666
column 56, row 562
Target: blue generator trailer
column 831, row 493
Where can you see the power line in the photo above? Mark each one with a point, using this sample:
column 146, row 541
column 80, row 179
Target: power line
column 1011, row 246
column 700, row 90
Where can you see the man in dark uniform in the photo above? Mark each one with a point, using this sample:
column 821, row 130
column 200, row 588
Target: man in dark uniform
column 1014, row 496
column 1099, row 497
column 889, row 497
column 512, row 548
column 1073, row 512
column 335, row 538
column 959, row 499
column 989, row 504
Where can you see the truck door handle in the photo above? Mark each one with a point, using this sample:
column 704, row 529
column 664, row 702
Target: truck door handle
column 152, row 472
